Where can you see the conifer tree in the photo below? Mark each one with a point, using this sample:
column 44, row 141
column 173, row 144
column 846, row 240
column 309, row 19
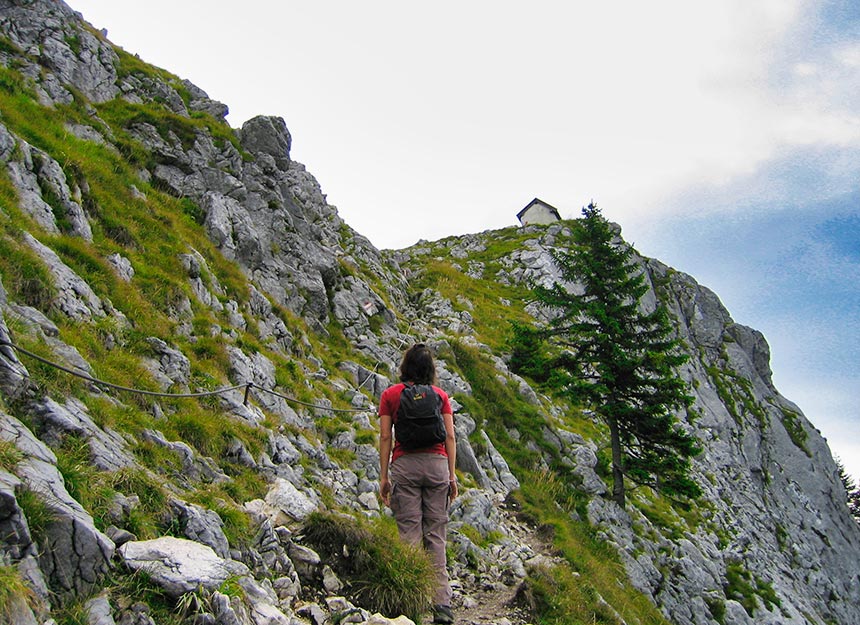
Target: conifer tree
column 601, row 349
column 852, row 492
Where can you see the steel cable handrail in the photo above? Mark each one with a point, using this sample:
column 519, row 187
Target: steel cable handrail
column 247, row 385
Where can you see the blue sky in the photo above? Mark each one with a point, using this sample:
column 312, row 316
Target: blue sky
column 724, row 137
column 794, row 274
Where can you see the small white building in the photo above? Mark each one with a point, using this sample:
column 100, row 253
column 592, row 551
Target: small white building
column 538, row 212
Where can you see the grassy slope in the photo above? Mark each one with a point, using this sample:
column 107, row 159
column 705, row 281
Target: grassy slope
column 151, row 233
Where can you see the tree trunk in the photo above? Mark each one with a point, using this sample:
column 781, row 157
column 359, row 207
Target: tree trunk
column 617, row 473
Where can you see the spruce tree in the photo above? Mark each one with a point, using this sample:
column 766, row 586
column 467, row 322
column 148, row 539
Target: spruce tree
column 600, row 349
column 852, row 492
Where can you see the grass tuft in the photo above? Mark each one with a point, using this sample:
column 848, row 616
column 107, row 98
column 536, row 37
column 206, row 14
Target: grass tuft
column 386, row 574
column 38, row 512
column 14, row 594
column 10, row 456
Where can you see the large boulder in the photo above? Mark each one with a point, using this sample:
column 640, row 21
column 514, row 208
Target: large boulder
column 178, row 565
column 267, row 135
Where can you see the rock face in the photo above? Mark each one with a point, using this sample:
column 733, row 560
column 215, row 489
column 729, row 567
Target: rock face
column 272, row 296
column 773, row 471
column 73, row 554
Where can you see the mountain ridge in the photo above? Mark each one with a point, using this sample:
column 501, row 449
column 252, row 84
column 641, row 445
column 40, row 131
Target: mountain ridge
column 147, row 242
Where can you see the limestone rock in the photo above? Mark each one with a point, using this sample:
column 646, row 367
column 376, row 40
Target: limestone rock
column 286, row 503
column 170, row 365
column 502, row 480
column 74, row 555
column 179, row 566
column 14, row 377
column 270, row 326
column 267, row 135
column 258, row 370
column 378, row 619
column 75, row 298
column 122, row 266
column 108, row 450
column 30, row 196
column 200, row 101
column 194, row 466
column 48, row 29
column 17, row 541
column 307, row 562
column 231, row 228
column 99, row 611
column 201, row 525
column 17, row 611
column 366, row 380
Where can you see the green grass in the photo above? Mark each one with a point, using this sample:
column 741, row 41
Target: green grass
column 39, row 514
column 491, row 318
column 129, row 588
column 14, row 593
column 561, row 596
column 10, row 456
column 384, row 574
column 792, row 425
column 84, row 482
column 497, row 406
column 209, row 431
column 673, row 518
column 95, row 490
column 575, row 593
column 717, row 608
column 47, row 378
column 151, row 232
column 478, row 539
column 144, row 519
column 366, row 437
column 24, row 275
column 737, row 395
column 8, row 47
column 125, row 589
column 748, row 590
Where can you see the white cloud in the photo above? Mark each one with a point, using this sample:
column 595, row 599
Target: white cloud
column 806, row 70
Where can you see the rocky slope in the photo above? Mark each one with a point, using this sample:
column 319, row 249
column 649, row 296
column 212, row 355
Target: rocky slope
column 148, row 245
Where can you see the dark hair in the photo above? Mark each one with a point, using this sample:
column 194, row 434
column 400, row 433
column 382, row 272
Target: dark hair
column 418, row 365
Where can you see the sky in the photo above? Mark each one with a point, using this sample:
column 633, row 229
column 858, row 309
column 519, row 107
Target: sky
column 724, row 137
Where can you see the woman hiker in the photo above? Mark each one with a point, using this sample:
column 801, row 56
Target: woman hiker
column 416, row 478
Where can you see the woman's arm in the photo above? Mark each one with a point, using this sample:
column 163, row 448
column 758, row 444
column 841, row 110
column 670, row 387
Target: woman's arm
column 451, row 450
column 384, row 458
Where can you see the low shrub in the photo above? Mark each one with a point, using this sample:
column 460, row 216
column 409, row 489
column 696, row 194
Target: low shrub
column 386, row 575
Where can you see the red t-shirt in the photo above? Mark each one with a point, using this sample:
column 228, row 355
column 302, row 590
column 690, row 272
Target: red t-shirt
column 389, row 404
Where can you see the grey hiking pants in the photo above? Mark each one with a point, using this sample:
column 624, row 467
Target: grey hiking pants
column 419, row 500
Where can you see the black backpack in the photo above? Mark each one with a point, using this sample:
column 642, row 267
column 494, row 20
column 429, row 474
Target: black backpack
column 419, row 419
